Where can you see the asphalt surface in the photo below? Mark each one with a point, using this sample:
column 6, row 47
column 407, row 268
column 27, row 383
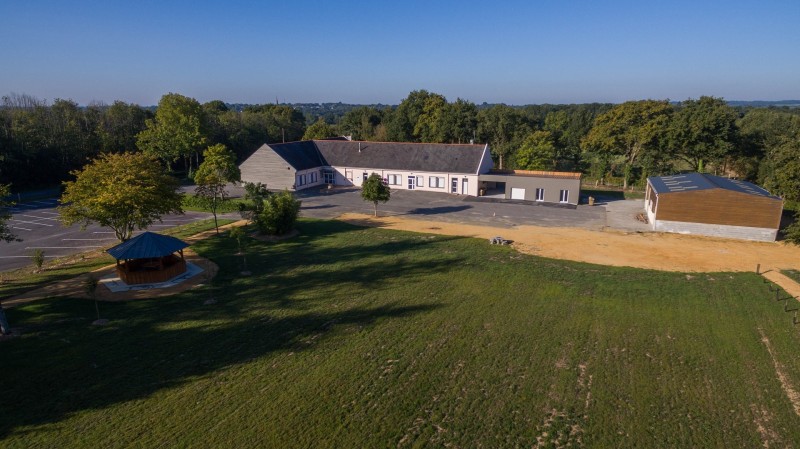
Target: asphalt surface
column 450, row 208
column 37, row 224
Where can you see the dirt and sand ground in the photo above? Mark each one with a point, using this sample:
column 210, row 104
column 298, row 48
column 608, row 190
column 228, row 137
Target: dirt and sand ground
column 658, row 251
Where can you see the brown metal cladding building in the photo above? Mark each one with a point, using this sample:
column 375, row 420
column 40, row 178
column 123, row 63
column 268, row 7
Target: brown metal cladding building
column 699, row 203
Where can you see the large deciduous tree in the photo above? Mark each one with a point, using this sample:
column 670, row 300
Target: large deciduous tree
column 373, row 189
column 503, row 127
column 537, row 152
column 217, row 170
column 319, row 130
column 628, row 131
column 177, row 131
column 124, row 191
column 402, row 126
column 703, row 130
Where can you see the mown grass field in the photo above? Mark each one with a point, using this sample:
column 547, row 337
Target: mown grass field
column 351, row 337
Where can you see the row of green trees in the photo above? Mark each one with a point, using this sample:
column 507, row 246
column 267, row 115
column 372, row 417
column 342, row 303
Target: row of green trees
column 620, row 144
column 41, row 144
column 617, row 144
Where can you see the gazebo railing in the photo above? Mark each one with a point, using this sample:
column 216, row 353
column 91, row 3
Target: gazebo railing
column 150, row 271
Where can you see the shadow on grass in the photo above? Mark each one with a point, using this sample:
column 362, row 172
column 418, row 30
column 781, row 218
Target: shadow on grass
column 61, row 365
column 70, row 367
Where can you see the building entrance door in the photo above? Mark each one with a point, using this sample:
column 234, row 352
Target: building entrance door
column 454, row 187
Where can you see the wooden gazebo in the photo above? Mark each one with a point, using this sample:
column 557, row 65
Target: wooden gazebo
column 149, row 258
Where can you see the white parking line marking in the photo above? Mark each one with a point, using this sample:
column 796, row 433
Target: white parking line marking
column 48, row 213
column 31, row 222
column 24, row 229
column 46, row 202
column 92, row 240
column 27, row 257
column 60, row 247
column 40, row 218
column 103, row 232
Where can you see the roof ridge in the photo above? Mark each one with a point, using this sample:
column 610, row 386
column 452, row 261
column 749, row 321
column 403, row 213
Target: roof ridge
column 706, row 176
column 402, row 143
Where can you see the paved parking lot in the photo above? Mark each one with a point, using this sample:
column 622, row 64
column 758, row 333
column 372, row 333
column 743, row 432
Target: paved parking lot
column 451, row 208
column 37, row 224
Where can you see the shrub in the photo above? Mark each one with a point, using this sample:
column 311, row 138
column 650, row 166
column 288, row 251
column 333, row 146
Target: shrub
column 38, row 259
column 792, row 232
column 279, row 214
column 255, row 196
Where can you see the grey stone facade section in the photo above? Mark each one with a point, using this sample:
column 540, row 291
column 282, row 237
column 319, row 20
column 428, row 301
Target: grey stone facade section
column 715, row 230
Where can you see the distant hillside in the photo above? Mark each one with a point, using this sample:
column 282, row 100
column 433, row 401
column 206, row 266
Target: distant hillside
column 765, row 104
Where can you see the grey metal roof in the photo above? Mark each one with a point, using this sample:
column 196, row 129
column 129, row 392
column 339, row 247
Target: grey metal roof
column 431, row 157
column 147, row 245
column 703, row 181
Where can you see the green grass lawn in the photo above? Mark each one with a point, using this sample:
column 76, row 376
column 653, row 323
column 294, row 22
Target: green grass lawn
column 347, row 337
column 794, row 274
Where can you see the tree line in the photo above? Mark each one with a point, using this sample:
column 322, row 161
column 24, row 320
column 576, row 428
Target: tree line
column 620, row 144
column 40, row 143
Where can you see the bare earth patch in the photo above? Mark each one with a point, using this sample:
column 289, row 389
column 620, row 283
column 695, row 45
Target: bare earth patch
column 658, row 251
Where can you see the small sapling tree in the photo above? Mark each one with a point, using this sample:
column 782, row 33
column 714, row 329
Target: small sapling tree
column 217, row 170
column 38, row 259
column 375, row 190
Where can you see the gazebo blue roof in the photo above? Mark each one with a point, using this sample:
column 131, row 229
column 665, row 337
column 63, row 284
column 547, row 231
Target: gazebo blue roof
column 147, row 245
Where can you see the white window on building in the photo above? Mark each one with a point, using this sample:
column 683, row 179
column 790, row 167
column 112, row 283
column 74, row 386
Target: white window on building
column 564, row 196
column 436, row 182
column 329, row 176
column 420, row 181
column 539, row 194
column 395, row 180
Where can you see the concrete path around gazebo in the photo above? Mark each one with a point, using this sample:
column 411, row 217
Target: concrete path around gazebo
column 75, row 287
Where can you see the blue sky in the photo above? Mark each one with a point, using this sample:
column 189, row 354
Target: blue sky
column 373, row 51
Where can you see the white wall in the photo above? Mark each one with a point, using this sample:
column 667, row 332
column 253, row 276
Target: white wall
column 342, row 174
column 307, row 173
column 486, row 162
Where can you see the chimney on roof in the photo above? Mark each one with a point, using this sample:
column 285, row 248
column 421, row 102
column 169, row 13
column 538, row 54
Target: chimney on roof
column 359, row 147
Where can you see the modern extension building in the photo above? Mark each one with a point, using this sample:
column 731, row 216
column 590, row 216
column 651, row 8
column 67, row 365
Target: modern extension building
column 448, row 168
column 541, row 186
column 698, row 203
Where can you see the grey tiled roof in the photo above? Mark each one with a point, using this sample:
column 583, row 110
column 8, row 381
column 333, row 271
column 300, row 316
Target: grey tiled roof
column 703, row 181
column 300, row 155
column 431, row 157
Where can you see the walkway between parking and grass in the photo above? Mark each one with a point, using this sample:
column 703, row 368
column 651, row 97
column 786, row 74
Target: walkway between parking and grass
column 788, row 284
